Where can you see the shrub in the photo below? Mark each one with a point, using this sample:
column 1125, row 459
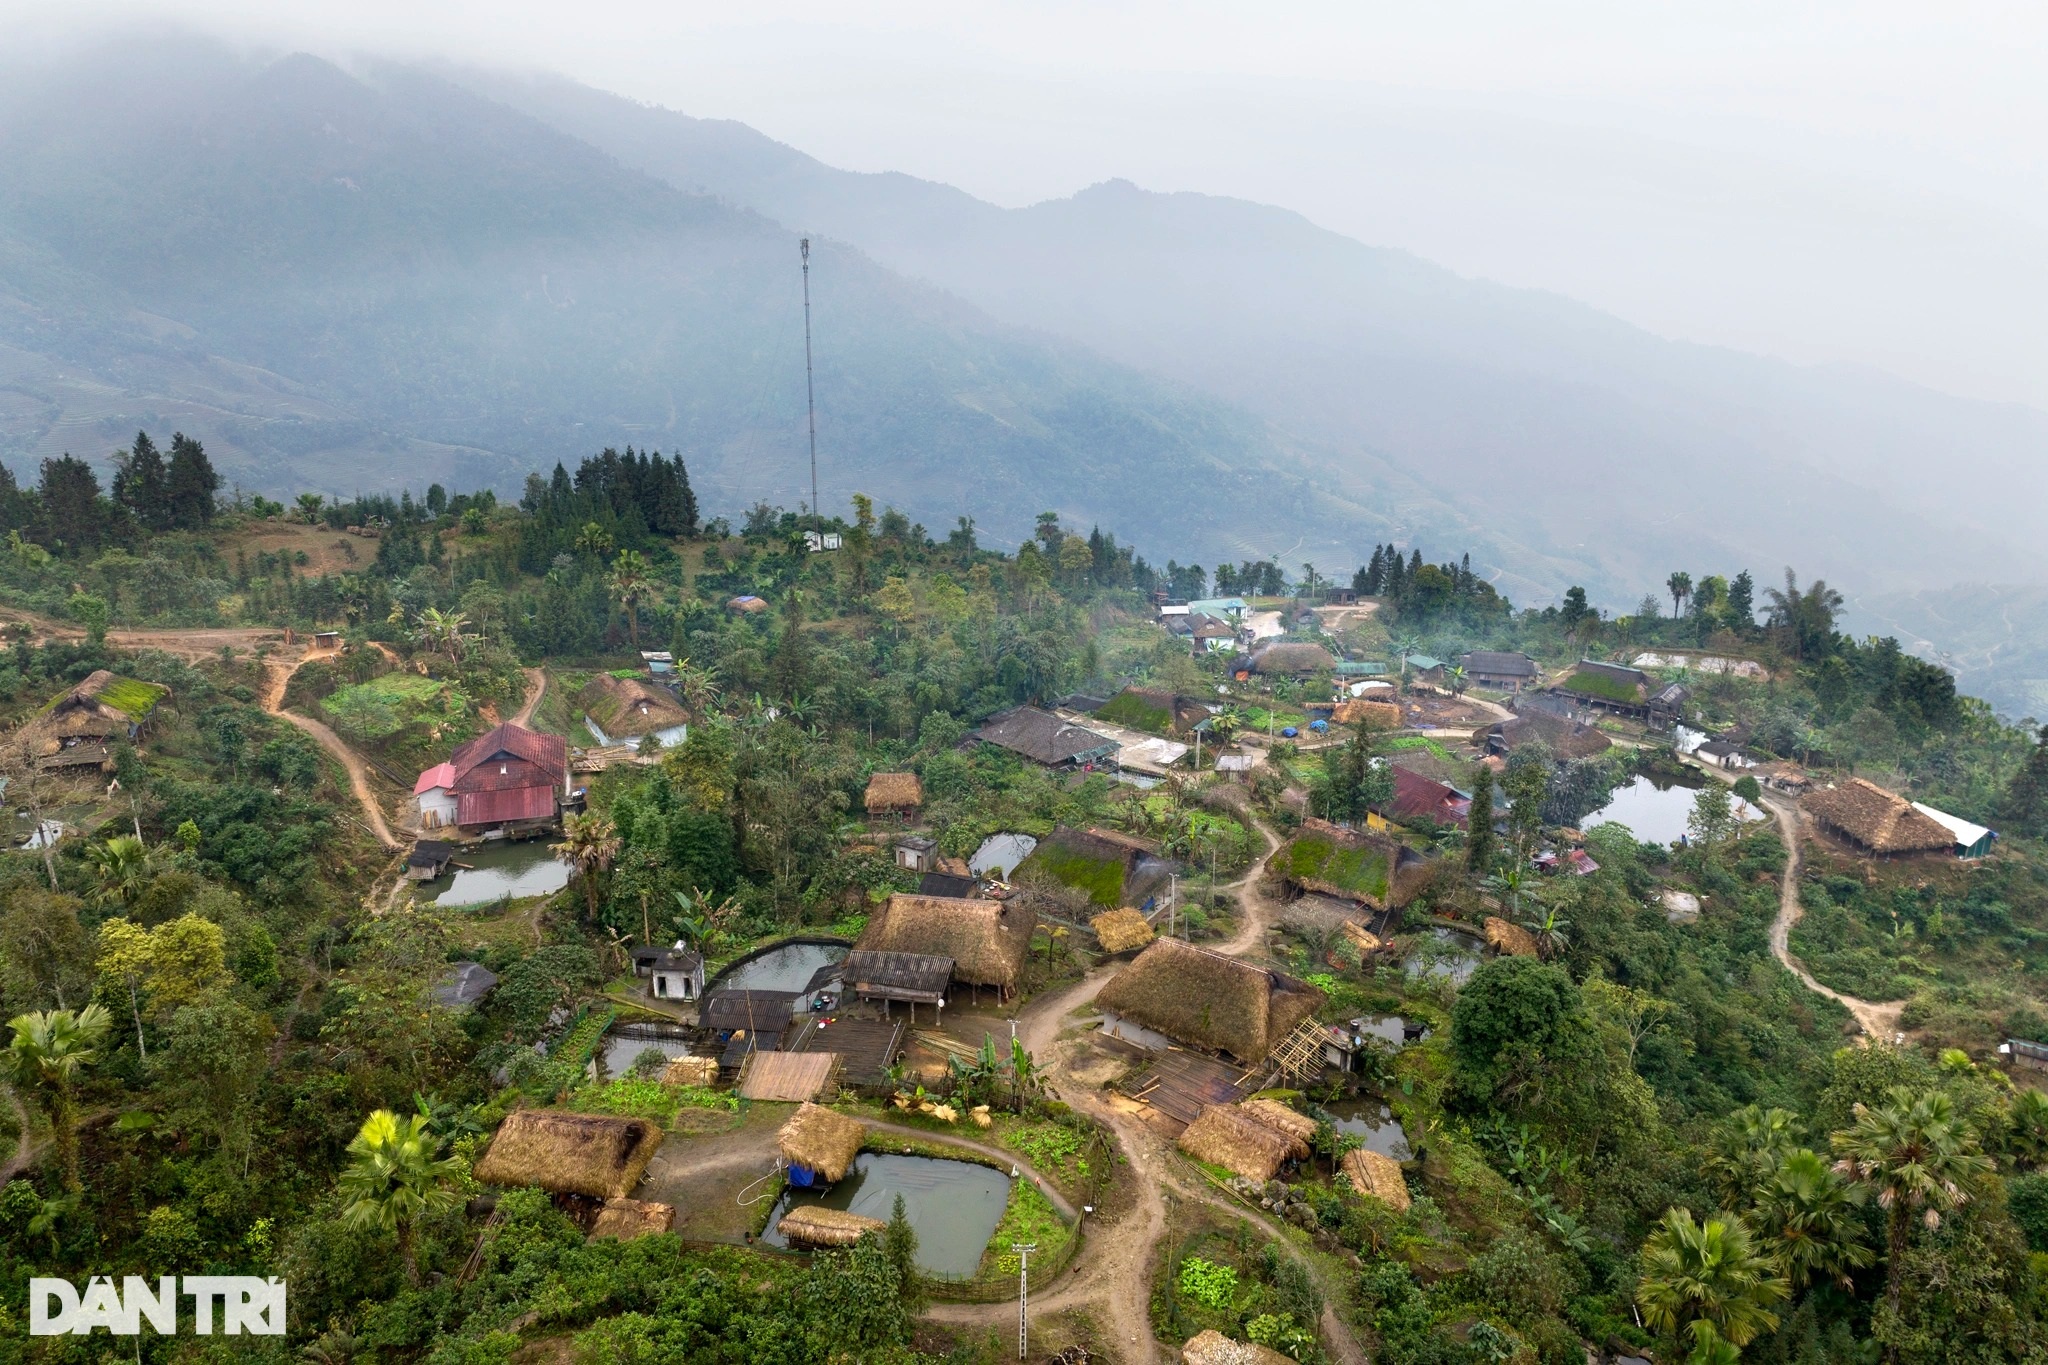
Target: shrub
column 1209, row 1284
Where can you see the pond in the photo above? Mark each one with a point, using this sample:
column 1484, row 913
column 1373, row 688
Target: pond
column 953, row 1206
column 618, row 1052
column 1656, row 812
column 1390, row 1029
column 1000, row 853
column 496, row 871
column 1442, row 952
column 1375, row 1124
column 782, row 967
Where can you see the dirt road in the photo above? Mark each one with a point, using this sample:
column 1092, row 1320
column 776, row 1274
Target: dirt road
column 536, row 687
column 1257, row 909
column 24, row 1146
column 1879, row 1021
column 280, row 676
column 1112, row 1275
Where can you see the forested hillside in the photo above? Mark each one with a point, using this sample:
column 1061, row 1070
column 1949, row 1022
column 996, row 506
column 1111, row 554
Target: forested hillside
column 345, row 282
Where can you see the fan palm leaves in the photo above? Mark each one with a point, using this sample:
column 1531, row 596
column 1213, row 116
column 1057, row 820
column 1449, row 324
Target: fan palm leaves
column 1918, row 1157
column 1707, row 1283
column 590, row 844
column 394, row 1178
column 121, row 865
column 49, row 1049
column 1810, row 1217
column 628, row 583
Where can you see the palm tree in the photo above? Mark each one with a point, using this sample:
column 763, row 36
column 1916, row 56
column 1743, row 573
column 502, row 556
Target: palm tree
column 1748, row 1150
column 1917, row 1155
column 628, row 584
column 594, row 540
column 309, row 507
column 50, row 1048
column 2027, row 1129
column 1808, row 618
column 590, row 844
column 1810, row 1216
column 1679, row 585
column 1708, row 1283
column 393, row 1179
column 122, row 866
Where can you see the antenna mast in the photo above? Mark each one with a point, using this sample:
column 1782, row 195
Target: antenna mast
column 810, row 394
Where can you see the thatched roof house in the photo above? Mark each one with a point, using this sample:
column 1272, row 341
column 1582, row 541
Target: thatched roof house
column 1121, row 931
column 1293, row 660
column 1207, row 1000
column 1876, row 822
column 596, row 1155
column 894, row 792
column 987, row 940
column 1277, row 1116
column 1377, row 715
column 821, row 1142
column 74, row 728
column 1225, row 1135
column 627, row 708
column 814, row 1225
column 1377, row 1176
column 1510, row 939
column 1211, row 1347
column 1565, row 738
column 625, row 1219
column 1359, row 865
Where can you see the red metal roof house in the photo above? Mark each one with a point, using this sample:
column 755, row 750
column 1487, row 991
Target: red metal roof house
column 509, row 775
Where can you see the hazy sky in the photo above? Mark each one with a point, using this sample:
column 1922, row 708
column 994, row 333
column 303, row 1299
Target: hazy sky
column 1826, row 182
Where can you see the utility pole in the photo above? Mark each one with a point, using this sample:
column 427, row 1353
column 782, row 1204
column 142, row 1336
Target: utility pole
column 810, row 396
column 1023, row 1250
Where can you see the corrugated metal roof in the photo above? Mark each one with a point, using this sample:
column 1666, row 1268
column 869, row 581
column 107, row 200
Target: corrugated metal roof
column 440, row 775
column 505, row 803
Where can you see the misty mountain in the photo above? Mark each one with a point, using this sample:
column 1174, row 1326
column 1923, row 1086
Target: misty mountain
column 352, row 281
column 1616, row 454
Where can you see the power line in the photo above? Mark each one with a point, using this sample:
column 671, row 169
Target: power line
column 810, row 394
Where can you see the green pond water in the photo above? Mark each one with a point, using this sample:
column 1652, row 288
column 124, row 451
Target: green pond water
column 953, row 1206
column 498, row 871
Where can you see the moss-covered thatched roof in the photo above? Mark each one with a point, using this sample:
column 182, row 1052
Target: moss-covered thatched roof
column 1360, row 865
column 626, row 708
column 598, row 1155
column 1207, row 1000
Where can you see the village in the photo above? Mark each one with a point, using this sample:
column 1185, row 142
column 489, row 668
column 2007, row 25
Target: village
column 1206, row 986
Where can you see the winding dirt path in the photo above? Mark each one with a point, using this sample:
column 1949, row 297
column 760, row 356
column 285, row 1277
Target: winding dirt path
column 536, row 688
column 1879, row 1022
column 24, row 1146
column 1259, row 909
column 358, row 772
column 1112, row 1275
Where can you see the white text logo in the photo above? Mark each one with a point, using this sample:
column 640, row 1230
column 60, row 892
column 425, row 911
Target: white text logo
column 245, row 1303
